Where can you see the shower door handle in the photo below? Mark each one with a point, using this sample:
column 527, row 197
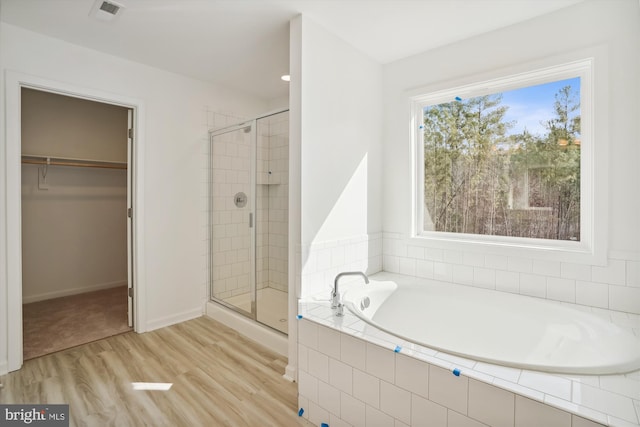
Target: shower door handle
column 250, row 220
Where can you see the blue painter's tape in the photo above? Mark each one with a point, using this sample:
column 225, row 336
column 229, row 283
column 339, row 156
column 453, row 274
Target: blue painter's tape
column 299, row 316
column 458, row 98
column 397, row 349
column 300, row 412
column 456, row 372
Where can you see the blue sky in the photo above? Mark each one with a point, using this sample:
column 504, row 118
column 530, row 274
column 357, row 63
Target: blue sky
column 531, row 105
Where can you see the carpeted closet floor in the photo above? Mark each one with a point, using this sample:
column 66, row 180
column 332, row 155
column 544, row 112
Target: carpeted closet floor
column 60, row 323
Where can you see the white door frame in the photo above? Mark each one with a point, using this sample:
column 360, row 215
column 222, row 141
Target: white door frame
column 14, row 82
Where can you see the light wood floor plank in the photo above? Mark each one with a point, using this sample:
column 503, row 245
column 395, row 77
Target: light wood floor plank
column 219, row 378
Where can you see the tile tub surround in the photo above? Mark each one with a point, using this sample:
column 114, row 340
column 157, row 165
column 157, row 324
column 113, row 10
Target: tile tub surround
column 349, row 374
column 614, row 286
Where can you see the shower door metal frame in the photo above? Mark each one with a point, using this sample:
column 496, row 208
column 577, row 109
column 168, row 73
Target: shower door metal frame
column 253, row 286
column 252, row 215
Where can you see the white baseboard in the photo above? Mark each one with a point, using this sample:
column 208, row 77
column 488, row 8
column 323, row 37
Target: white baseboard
column 290, row 373
column 250, row 329
column 173, row 319
column 72, row 291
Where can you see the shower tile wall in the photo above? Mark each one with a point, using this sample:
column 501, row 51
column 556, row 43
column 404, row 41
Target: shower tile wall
column 230, row 264
column 230, row 175
column 273, row 201
column 278, row 201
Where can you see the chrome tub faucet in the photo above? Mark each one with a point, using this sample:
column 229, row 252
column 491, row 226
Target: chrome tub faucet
column 335, row 295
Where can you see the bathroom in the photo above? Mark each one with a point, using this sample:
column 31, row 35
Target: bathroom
column 350, row 167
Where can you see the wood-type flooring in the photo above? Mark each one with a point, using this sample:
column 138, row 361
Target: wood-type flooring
column 219, row 377
column 61, row 323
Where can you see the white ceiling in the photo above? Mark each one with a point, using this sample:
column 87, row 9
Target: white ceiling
column 244, row 44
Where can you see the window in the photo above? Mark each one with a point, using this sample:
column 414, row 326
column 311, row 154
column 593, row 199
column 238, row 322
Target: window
column 507, row 160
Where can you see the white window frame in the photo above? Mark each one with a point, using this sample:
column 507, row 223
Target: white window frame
column 592, row 217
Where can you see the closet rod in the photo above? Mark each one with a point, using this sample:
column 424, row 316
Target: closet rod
column 61, row 161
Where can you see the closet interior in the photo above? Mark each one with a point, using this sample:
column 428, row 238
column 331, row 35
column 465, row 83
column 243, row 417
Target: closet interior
column 75, row 188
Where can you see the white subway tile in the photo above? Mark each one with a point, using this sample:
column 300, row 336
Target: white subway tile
column 303, row 358
column 303, row 403
column 498, row 262
column 442, row 271
column 462, row 274
column 412, row 375
column 546, row 268
column 329, row 397
column 624, row 298
column 592, row 294
column 633, row 273
column 484, row 277
column 329, row 342
column 548, row 384
column 621, row 384
column 530, row 413
column 415, row 252
column 319, row 365
column 391, row 263
column 424, row 269
column 318, row 415
column 352, row 410
column 308, row 386
column 604, row 401
column 353, row 351
column 458, row 420
column 341, row 375
column 376, row 418
column 491, row 405
column 308, row 334
column 395, row 402
column 473, row 259
column 520, row 265
column 533, row 285
column 570, row 270
column 380, row 362
column 427, row 413
column 561, row 289
column 366, row 388
column 614, row 273
column 453, row 257
column 575, row 409
column 407, row 266
column 447, row 389
column 508, row 281
column 434, row 254
column 337, row 256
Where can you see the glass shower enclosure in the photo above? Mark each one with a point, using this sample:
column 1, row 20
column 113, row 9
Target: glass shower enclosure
column 248, row 195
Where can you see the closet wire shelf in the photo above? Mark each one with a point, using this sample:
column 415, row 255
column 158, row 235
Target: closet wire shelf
column 69, row 161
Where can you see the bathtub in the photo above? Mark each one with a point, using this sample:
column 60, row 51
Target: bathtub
column 495, row 327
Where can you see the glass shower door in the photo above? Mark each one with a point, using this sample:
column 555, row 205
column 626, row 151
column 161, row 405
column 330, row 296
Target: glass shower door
column 232, row 201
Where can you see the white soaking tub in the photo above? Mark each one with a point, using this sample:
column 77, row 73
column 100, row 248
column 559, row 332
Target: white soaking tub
column 496, row 327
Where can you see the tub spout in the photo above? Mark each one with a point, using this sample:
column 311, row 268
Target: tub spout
column 335, row 295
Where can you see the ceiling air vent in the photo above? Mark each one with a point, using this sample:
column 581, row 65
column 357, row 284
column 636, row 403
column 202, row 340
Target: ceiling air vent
column 109, row 7
column 106, row 10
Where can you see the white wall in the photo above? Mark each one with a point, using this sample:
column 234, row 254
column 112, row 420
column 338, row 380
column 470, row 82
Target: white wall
column 175, row 167
column 340, row 158
column 611, row 32
column 74, row 235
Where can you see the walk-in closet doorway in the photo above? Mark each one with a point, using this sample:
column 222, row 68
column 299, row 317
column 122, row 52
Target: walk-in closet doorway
column 74, row 221
column 34, row 175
